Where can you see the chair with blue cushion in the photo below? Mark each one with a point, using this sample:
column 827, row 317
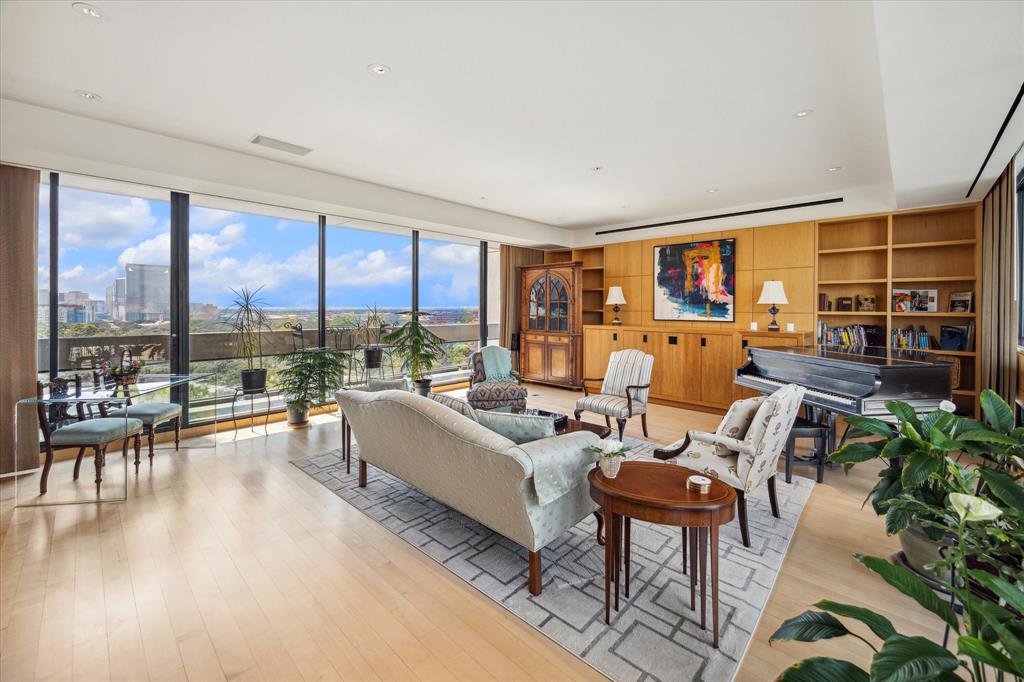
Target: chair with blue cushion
column 63, row 430
column 489, row 391
column 151, row 414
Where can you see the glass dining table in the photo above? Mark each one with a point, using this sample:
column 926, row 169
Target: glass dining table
column 79, row 417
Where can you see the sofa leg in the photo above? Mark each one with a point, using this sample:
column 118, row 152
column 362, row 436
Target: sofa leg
column 773, row 498
column 600, row 528
column 535, row 575
column 643, row 423
column 362, row 473
column 741, row 507
column 622, row 426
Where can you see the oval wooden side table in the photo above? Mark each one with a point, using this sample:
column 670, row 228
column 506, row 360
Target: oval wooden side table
column 657, row 493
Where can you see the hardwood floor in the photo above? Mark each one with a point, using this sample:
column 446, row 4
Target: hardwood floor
column 235, row 565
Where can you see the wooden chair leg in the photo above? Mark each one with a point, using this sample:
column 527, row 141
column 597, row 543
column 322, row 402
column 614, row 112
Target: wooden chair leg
column 600, row 527
column 741, row 509
column 773, row 498
column 78, row 461
column 149, row 439
column 608, row 421
column 98, row 462
column 177, row 432
column 138, row 450
column 362, row 473
column 643, row 423
column 790, row 454
column 622, row 426
column 46, row 469
column 576, row 414
column 535, row 573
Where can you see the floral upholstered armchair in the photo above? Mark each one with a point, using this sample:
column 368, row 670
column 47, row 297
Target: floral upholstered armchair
column 744, row 450
column 487, row 393
column 624, row 389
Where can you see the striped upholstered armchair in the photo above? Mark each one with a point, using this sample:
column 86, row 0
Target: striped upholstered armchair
column 624, row 389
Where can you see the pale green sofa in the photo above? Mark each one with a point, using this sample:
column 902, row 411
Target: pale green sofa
column 470, row 468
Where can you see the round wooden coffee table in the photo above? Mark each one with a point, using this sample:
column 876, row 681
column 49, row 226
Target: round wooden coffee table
column 657, row 493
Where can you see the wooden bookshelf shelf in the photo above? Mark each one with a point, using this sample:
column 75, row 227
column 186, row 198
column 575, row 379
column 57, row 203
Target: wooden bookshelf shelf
column 854, row 249
column 963, row 315
column 936, row 249
column 593, row 310
column 593, row 267
column 928, row 245
column 589, row 290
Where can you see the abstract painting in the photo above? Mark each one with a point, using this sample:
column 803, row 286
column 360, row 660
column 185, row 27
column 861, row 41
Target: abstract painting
column 695, row 281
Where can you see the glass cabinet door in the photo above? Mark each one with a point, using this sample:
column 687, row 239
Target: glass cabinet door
column 538, row 303
column 558, row 316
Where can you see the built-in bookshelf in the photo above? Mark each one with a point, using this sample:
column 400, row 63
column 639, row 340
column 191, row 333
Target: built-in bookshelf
column 592, row 259
column 929, row 250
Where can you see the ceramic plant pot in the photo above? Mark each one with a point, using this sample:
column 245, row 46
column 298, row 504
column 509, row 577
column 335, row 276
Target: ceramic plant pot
column 610, row 466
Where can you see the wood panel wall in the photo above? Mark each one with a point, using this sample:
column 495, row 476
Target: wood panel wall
column 784, row 252
column 19, row 206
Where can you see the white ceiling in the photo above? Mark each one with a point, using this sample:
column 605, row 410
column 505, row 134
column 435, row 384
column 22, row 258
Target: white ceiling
column 516, row 102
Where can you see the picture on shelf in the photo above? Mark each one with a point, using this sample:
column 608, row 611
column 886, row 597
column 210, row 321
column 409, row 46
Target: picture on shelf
column 844, row 304
column 866, row 303
column 961, row 302
column 915, row 300
column 695, row 281
column 957, row 337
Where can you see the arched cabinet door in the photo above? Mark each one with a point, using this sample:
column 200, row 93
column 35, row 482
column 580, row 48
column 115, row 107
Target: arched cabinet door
column 550, row 324
column 558, row 303
column 537, row 307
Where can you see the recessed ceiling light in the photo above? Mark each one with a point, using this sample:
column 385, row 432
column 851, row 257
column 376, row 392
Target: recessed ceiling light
column 712, row 190
column 378, row 69
column 597, row 169
column 91, row 96
column 88, row 10
column 482, row 198
column 624, row 206
column 803, row 113
column 834, row 169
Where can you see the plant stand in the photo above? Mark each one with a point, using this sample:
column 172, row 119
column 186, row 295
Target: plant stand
column 240, row 392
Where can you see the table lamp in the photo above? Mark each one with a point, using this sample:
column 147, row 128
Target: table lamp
column 616, row 299
column 773, row 294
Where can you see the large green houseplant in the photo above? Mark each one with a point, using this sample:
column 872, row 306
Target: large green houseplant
column 248, row 321
column 960, row 481
column 418, row 347
column 308, row 378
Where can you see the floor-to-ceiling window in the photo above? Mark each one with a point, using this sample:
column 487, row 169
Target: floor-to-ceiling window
column 43, row 281
column 493, row 294
column 271, row 253
column 449, row 290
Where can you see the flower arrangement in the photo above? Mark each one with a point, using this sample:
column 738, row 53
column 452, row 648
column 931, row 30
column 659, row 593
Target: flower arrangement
column 124, row 372
column 611, row 452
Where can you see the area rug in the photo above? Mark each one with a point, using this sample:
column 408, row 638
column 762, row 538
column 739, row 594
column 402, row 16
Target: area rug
column 654, row 635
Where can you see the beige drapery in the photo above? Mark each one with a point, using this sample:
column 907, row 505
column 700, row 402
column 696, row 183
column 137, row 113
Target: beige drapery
column 513, row 258
column 999, row 312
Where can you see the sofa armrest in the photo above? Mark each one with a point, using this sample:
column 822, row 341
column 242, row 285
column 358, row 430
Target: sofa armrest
column 558, row 464
column 728, row 442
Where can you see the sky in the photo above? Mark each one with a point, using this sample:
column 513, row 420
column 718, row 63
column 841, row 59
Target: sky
column 100, row 233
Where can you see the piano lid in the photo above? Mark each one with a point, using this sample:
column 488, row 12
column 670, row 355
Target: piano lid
column 861, row 355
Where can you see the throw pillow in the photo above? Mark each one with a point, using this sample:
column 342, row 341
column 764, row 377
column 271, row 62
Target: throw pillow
column 737, row 422
column 460, row 406
column 518, row 428
column 397, row 384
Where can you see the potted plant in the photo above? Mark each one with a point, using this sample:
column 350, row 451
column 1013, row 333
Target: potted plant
column 371, row 329
column 418, row 347
column 248, row 320
column 307, row 379
column 922, row 463
column 611, row 452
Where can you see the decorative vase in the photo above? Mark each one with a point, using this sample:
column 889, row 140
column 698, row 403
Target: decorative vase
column 610, row 466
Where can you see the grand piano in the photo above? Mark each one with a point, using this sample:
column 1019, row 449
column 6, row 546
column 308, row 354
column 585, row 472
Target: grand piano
column 850, row 380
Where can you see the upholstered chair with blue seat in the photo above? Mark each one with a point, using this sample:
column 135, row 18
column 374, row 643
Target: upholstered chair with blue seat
column 624, row 389
column 493, row 383
column 151, row 414
column 62, row 429
column 744, row 451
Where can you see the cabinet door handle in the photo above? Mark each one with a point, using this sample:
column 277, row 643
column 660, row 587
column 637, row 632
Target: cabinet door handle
column 703, row 341
column 615, row 336
column 745, row 342
column 645, row 338
column 673, row 340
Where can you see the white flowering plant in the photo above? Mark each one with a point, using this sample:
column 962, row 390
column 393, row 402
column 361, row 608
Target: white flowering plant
column 609, row 447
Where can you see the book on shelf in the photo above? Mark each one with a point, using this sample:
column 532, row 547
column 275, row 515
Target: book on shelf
column 910, row 338
column 850, row 335
column 957, row 337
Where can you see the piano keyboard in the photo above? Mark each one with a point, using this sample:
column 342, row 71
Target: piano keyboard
column 822, row 395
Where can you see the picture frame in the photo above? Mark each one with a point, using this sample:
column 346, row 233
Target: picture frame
column 695, row 281
column 915, row 300
column 961, row 302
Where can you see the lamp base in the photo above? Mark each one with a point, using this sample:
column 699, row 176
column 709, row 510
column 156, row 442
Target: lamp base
column 616, row 310
column 773, row 326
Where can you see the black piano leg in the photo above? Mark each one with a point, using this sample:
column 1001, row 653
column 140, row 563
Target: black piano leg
column 831, row 422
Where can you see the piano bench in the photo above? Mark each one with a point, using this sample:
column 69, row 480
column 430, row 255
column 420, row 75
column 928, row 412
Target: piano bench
column 805, row 428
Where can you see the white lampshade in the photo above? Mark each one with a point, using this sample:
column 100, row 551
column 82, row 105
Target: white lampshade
column 772, row 293
column 615, row 296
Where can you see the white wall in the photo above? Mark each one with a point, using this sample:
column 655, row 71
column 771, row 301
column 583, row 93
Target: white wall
column 55, row 140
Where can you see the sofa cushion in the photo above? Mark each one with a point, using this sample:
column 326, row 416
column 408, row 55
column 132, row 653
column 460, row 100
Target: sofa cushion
column 149, row 413
column 519, row 428
column 610, row 405
column 396, row 384
column 491, row 394
column 460, row 406
column 95, row 431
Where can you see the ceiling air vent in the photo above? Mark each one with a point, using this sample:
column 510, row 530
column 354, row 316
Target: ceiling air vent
column 279, row 145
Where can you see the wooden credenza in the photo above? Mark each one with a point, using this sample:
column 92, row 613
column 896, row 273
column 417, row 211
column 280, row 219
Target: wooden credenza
column 551, row 323
column 690, row 366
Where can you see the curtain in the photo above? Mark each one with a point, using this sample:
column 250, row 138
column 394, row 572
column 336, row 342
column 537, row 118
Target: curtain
column 999, row 312
column 513, row 258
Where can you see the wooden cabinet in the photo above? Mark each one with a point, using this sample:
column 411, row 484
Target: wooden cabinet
column 716, row 368
column 677, row 368
column 598, row 345
column 551, row 326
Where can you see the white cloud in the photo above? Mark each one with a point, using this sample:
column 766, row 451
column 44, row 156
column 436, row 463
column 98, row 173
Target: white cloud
column 104, row 220
column 359, row 268
column 203, row 219
column 94, row 281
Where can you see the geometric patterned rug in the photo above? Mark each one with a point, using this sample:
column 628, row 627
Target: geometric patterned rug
column 654, row 635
